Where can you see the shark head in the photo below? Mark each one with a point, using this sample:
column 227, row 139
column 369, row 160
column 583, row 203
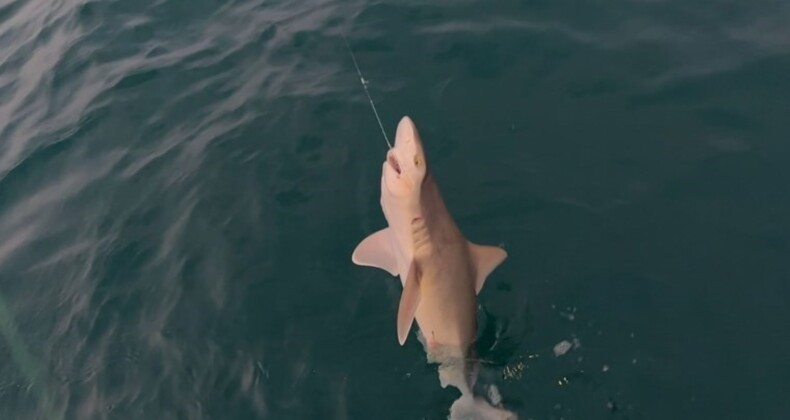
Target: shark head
column 405, row 167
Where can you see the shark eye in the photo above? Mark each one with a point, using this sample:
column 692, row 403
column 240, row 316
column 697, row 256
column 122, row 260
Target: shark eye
column 417, row 160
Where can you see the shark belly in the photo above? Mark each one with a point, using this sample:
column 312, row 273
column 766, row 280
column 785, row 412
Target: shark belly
column 447, row 314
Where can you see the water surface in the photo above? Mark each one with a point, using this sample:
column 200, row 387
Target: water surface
column 182, row 184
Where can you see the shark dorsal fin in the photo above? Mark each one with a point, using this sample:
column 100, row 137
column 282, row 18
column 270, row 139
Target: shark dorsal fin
column 485, row 259
column 409, row 300
column 376, row 251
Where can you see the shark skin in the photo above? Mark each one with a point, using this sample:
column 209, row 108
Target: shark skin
column 440, row 270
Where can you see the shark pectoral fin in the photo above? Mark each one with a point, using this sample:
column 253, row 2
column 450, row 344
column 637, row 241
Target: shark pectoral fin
column 486, row 259
column 376, row 251
column 409, row 300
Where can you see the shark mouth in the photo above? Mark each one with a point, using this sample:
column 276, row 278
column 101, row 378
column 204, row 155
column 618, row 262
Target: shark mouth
column 393, row 161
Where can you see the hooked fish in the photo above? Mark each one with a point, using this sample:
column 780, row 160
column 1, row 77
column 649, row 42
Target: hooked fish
column 440, row 270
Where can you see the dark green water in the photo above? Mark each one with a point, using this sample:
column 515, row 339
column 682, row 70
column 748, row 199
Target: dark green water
column 182, row 184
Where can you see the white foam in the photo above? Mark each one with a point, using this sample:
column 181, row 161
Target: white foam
column 562, row 347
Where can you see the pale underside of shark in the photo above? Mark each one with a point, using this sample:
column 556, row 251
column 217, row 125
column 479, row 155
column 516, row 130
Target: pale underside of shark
column 440, row 270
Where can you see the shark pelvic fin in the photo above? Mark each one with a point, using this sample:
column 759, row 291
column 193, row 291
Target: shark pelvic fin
column 376, row 251
column 485, row 258
column 409, row 300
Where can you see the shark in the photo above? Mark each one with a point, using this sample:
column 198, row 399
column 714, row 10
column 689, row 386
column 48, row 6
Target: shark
column 440, row 270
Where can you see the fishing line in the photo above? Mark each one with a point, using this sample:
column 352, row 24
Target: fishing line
column 367, row 92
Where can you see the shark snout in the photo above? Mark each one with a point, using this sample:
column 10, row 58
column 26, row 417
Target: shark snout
column 406, row 132
column 404, row 167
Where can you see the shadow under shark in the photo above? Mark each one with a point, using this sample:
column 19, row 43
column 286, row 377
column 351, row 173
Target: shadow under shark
column 440, row 270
